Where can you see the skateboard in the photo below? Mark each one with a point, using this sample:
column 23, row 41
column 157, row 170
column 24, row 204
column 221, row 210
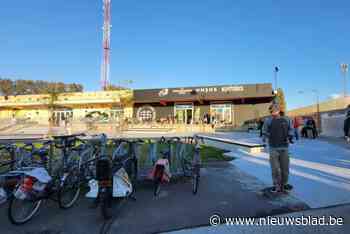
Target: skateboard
column 267, row 192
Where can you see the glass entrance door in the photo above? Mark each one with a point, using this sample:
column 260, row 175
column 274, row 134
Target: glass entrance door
column 62, row 117
column 184, row 113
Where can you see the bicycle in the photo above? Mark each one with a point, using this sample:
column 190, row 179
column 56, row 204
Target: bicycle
column 86, row 153
column 116, row 176
column 22, row 159
column 37, row 185
column 161, row 172
column 191, row 167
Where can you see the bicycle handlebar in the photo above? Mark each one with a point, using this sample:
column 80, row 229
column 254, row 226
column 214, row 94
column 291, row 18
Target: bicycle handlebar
column 69, row 136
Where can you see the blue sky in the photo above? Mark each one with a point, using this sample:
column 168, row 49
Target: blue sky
column 164, row 43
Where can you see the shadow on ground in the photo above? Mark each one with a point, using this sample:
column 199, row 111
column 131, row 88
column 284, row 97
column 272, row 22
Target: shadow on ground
column 223, row 190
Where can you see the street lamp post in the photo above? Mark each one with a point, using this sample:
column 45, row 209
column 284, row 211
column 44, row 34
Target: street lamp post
column 344, row 69
column 315, row 91
column 275, row 76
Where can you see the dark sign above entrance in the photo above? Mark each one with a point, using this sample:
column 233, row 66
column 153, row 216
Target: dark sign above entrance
column 184, row 91
column 210, row 93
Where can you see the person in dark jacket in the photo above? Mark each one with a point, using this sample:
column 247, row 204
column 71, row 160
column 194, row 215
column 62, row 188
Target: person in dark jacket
column 313, row 127
column 347, row 126
column 278, row 130
column 260, row 126
column 310, row 124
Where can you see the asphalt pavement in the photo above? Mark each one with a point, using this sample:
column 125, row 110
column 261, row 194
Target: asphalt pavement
column 222, row 191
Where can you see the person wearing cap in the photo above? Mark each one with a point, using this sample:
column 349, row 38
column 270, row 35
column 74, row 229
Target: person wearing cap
column 278, row 130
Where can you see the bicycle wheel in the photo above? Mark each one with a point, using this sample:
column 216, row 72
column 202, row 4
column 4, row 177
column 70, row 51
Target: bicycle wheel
column 21, row 211
column 186, row 167
column 106, row 204
column 157, row 181
column 195, row 184
column 195, row 179
column 69, row 190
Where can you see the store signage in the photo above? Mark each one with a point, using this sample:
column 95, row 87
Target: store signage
column 232, row 89
column 225, row 89
column 163, row 92
column 183, row 91
column 206, row 90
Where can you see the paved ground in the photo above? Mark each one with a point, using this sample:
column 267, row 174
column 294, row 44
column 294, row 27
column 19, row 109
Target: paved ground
column 320, row 171
column 337, row 141
column 339, row 212
column 317, row 167
column 221, row 191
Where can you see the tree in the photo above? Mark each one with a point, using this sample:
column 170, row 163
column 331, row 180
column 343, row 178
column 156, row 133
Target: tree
column 112, row 87
column 74, row 87
column 280, row 99
column 126, row 101
column 21, row 87
column 6, row 87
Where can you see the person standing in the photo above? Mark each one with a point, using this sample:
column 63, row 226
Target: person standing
column 296, row 125
column 260, row 126
column 347, row 126
column 278, row 130
column 311, row 125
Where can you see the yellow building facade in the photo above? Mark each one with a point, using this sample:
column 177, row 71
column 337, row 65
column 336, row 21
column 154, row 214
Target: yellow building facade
column 113, row 105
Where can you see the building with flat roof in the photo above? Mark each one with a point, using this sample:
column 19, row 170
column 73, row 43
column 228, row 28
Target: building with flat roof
column 65, row 106
column 331, row 105
column 329, row 115
column 226, row 104
column 221, row 104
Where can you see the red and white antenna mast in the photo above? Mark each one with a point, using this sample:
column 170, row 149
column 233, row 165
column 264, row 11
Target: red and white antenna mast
column 106, row 43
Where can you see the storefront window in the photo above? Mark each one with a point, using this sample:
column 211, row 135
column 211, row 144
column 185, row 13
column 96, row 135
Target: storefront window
column 184, row 113
column 146, row 113
column 221, row 112
column 116, row 115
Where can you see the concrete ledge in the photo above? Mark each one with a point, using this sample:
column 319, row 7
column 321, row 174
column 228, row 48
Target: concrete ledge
column 248, row 147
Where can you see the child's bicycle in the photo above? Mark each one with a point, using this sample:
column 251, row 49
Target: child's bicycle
column 161, row 170
column 190, row 163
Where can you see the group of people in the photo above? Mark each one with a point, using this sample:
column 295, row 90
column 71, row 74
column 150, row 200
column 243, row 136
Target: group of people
column 304, row 126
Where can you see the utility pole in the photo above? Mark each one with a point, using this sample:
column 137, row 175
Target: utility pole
column 344, row 69
column 106, row 43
